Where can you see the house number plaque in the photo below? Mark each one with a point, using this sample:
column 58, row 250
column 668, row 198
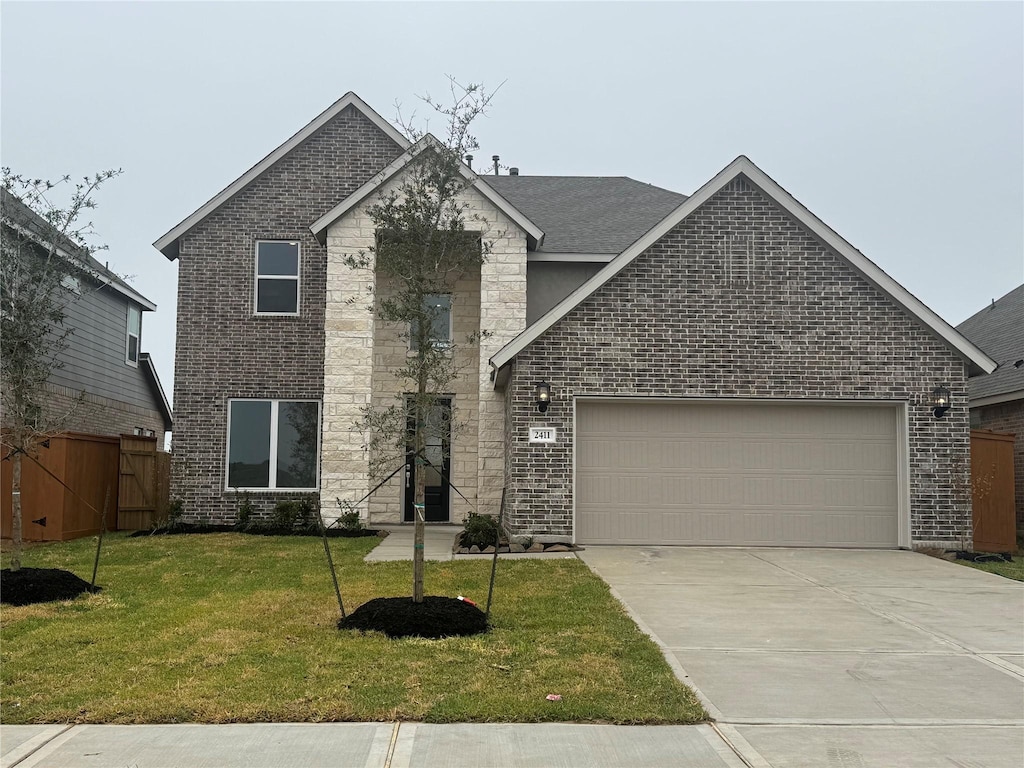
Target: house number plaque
column 543, row 435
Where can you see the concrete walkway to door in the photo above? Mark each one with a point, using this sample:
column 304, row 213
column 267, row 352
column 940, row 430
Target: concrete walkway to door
column 397, row 545
column 810, row 657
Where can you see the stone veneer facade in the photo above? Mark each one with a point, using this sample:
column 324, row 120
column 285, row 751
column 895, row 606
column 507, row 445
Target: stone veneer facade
column 361, row 356
column 223, row 349
column 737, row 301
column 1007, row 418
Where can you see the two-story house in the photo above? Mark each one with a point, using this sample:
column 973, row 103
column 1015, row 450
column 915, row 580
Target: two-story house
column 104, row 381
column 721, row 368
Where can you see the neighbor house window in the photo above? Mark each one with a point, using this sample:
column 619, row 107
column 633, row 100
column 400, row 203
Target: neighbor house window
column 131, row 354
column 273, row 444
column 437, row 309
column 277, row 277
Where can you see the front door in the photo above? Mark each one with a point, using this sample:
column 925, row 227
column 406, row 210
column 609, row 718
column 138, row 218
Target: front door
column 436, row 464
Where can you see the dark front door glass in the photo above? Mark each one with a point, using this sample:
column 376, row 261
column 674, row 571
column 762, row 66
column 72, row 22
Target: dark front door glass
column 435, row 464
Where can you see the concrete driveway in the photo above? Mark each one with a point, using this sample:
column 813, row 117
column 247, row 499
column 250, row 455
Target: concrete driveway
column 829, row 658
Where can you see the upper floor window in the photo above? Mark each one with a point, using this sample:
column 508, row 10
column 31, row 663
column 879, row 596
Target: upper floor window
column 277, row 277
column 131, row 353
column 437, row 310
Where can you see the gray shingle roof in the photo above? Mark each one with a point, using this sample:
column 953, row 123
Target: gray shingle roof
column 999, row 330
column 16, row 211
column 587, row 214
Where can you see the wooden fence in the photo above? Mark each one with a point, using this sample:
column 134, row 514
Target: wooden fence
column 87, row 465
column 136, row 473
column 144, row 483
column 992, row 491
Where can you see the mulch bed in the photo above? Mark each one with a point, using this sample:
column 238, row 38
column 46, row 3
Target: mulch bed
column 434, row 618
column 179, row 529
column 27, row 586
column 982, row 557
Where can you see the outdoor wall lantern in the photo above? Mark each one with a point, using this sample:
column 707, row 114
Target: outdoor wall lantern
column 543, row 396
column 940, row 401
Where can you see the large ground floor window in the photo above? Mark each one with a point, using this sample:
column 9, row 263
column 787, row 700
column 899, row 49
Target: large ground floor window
column 273, row 444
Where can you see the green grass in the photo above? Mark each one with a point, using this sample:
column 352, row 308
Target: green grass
column 234, row 628
column 1014, row 570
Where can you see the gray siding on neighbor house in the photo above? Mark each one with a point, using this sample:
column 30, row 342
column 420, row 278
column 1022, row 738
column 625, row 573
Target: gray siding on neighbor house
column 737, row 301
column 225, row 351
column 548, row 282
column 94, row 361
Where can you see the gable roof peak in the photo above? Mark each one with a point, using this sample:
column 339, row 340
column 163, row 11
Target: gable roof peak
column 168, row 243
column 428, row 141
column 978, row 361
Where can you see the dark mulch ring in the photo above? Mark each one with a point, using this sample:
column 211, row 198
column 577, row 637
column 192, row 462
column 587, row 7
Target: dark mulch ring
column 982, row 557
column 27, row 586
column 256, row 529
column 434, row 618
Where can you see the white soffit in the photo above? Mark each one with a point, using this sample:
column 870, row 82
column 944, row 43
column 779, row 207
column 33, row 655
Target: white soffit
column 166, row 243
column 744, row 166
column 320, row 226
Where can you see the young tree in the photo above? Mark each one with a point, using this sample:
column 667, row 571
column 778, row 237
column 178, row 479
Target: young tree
column 46, row 264
column 423, row 246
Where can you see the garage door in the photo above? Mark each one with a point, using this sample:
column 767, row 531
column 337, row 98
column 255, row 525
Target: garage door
column 736, row 473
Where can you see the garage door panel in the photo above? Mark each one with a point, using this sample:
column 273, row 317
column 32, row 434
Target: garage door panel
column 743, row 474
column 678, row 453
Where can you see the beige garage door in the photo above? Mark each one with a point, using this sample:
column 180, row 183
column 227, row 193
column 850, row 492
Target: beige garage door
column 740, row 474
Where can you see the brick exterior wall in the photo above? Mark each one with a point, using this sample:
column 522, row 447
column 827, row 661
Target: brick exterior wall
column 223, row 350
column 738, row 301
column 98, row 415
column 1007, row 418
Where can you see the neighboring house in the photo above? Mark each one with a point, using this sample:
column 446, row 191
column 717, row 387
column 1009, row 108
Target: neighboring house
column 103, row 368
column 723, row 368
column 997, row 400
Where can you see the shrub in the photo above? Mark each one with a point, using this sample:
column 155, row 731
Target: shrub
column 348, row 520
column 175, row 509
column 286, row 514
column 245, row 510
column 481, row 530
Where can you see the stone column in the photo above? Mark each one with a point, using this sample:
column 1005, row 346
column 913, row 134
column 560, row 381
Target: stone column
column 348, row 366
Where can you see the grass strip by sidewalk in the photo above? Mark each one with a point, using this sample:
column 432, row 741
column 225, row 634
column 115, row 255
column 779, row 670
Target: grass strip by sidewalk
column 1014, row 570
column 233, row 628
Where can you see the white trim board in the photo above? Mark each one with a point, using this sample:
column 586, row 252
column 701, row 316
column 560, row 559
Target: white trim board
column 82, row 264
column 591, row 258
column 147, row 362
column 745, row 167
column 168, row 243
column 320, row 226
column 1005, row 397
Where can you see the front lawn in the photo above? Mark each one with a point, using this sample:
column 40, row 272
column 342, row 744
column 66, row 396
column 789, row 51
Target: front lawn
column 1014, row 570
column 234, row 628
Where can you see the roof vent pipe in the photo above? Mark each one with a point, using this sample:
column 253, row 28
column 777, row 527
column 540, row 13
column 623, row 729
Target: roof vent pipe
column 495, row 158
column 513, row 171
column 469, row 161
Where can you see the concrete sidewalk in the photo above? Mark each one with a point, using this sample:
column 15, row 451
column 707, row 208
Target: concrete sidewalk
column 363, row 745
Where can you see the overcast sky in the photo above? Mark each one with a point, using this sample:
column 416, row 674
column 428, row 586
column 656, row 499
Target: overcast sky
column 900, row 125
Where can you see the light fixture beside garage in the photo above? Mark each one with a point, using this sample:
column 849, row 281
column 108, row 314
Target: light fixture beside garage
column 543, row 396
column 940, row 401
